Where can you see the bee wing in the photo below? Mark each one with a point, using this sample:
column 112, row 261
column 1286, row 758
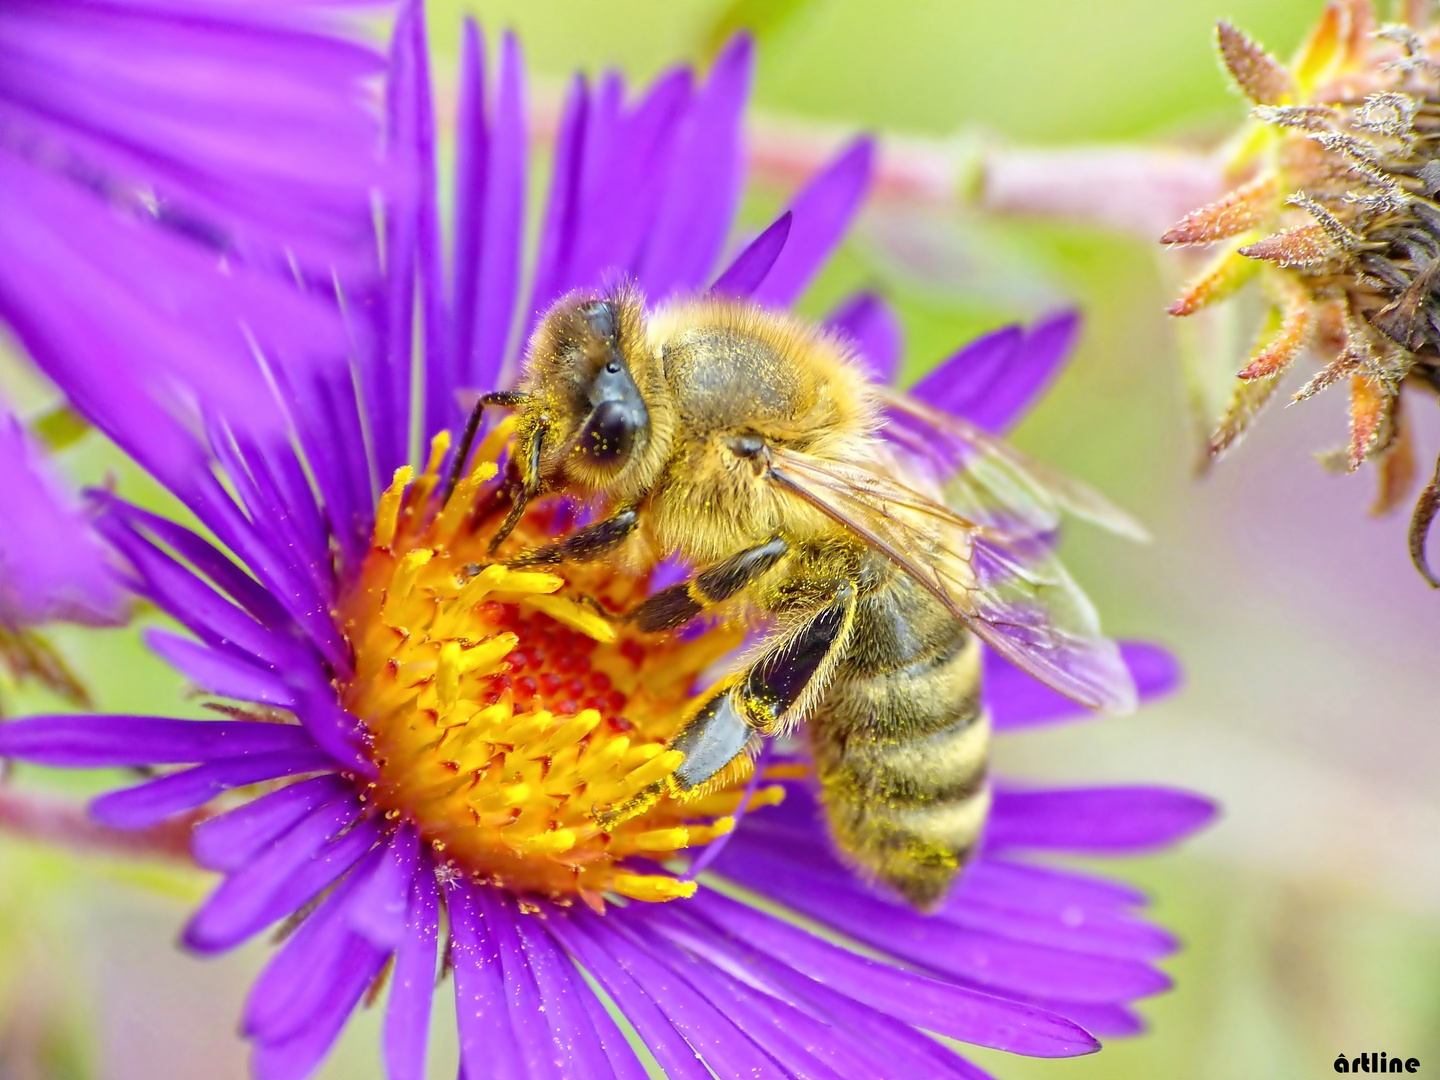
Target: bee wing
column 1012, row 592
column 993, row 482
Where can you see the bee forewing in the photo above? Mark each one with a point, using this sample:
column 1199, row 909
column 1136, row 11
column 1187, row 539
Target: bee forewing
column 995, row 483
column 1011, row 591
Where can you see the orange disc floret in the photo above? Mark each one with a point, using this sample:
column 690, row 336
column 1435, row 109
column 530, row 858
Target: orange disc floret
column 508, row 713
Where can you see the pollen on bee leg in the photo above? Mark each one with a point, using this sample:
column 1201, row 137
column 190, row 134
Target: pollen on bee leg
column 516, row 728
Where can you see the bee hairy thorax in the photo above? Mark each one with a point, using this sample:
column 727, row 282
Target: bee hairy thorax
column 899, row 742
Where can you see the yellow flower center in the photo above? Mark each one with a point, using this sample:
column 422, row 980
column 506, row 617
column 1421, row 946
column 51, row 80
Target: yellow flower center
column 507, row 714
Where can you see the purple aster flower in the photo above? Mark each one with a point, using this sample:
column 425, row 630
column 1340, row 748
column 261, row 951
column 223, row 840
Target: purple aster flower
column 432, row 731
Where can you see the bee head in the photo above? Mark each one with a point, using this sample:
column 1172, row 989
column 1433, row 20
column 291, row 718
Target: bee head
column 586, row 364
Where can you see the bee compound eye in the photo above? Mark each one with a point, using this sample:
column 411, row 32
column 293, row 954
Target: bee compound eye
column 610, row 432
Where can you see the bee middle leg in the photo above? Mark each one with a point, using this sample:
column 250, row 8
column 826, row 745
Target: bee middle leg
column 787, row 678
column 582, row 545
column 672, row 608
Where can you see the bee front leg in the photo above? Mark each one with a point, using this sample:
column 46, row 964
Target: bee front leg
column 783, row 683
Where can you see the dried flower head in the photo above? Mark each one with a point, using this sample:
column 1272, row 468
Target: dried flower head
column 1335, row 214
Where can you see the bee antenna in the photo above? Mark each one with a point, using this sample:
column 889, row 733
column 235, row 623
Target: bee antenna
column 508, row 399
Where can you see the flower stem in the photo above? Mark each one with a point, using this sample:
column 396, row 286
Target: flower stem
column 61, row 822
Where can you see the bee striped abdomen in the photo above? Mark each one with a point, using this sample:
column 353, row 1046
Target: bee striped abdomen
column 901, row 746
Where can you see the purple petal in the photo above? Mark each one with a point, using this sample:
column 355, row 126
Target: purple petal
column 472, row 159
column 231, row 840
column 151, row 803
column 378, row 911
column 994, row 380
column 52, row 565
column 716, row 1040
column 749, row 269
column 336, row 730
column 246, row 902
column 823, row 211
column 296, row 982
column 502, row 237
column 297, row 1056
column 407, row 1018
column 799, row 1043
column 249, row 125
column 884, row 1046
column 929, row 1003
column 92, row 742
column 579, row 1049
column 1046, row 889
column 545, row 1056
column 199, row 607
column 699, row 201
column 581, row 938
column 1015, row 967
column 619, row 1056
column 418, row 132
column 223, row 674
column 1111, row 1021
column 1095, row 820
column 1018, row 700
column 562, row 211
column 1102, row 932
column 958, row 384
column 487, row 1039
column 868, row 323
column 628, row 165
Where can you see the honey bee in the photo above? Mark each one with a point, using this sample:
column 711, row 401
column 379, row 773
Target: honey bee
column 879, row 540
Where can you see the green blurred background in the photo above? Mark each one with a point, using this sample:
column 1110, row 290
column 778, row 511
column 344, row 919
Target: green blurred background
column 1311, row 913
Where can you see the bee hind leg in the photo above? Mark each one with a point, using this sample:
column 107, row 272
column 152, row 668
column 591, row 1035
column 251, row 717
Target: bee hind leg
column 783, row 682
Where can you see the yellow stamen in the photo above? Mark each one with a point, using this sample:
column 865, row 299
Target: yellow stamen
column 387, row 516
column 510, row 720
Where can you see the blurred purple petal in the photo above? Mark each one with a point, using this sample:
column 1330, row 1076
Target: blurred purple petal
column 699, row 202
column 245, row 124
column 868, row 323
column 89, row 742
column 151, row 803
column 52, row 565
column 745, row 274
column 232, row 839
column 220, row 673
column 498, row 279
column 1095, row 820
column 823, row 211
column 1018, row 700
column 379, row 910
column 995, row 379
column 245, row 902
